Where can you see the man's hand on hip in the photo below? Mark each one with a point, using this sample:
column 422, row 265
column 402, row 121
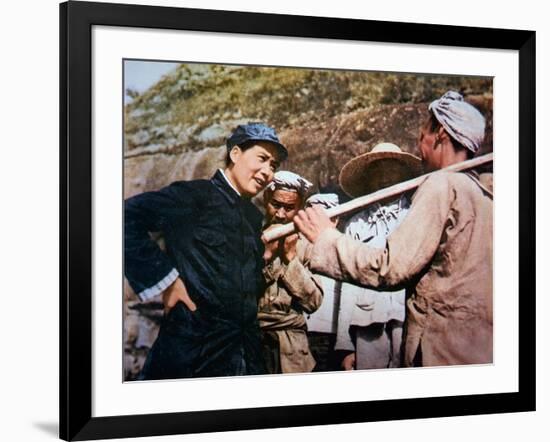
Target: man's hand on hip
column 177, row 292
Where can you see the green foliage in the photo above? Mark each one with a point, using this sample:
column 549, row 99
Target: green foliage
column 197, row 96
column 398, row 88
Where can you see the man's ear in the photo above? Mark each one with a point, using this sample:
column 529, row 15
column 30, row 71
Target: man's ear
column 441, row 135
column 235, row 153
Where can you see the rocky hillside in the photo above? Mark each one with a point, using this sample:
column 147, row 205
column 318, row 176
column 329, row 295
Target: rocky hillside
column 177, row 130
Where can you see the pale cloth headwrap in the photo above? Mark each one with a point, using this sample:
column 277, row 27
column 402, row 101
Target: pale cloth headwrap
column 461, row 120
column 286, row 180
column 327, row 200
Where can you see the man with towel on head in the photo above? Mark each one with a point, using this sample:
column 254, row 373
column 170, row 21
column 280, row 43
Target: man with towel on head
column 291, row 287
column 443, row 247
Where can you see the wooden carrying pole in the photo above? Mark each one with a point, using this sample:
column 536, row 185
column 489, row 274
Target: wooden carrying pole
column 366, row 200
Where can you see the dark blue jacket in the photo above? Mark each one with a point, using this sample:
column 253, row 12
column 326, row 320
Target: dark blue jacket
column 213, row 240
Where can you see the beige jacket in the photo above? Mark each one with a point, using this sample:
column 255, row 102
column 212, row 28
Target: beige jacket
column 291, row 290
column 444, row 247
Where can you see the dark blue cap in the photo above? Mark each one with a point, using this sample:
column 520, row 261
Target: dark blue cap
column 256, row 132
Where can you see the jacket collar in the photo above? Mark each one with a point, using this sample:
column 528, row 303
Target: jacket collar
column 220, row 181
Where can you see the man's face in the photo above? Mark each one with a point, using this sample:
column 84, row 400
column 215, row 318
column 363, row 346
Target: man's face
column 429, row 152
column 282, row 206
column 253, row 168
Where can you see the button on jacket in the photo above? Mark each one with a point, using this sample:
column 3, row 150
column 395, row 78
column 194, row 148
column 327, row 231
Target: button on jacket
column 212, row 238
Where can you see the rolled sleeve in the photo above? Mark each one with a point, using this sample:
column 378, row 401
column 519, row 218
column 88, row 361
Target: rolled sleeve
column 303, row 286
column 159, row 287
column 408, row 249
column 149, row 269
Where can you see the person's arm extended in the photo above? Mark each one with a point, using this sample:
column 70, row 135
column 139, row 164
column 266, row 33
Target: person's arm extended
column 408, row 250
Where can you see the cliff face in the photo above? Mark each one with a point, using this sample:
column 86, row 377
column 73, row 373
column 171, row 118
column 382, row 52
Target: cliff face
column 177, row 129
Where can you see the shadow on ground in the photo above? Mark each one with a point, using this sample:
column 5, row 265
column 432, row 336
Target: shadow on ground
column 50, row 428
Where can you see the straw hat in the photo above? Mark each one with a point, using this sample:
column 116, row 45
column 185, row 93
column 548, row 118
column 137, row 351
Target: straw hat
column 385, row 165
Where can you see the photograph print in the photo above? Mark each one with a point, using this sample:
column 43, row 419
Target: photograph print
column 218, row 156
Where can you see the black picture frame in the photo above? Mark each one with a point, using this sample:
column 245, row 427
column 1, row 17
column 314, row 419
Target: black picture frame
column 76, row 21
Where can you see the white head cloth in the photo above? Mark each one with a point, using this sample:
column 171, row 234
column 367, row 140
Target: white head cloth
column 327, row 200
column 291, row 181
column 461, row 120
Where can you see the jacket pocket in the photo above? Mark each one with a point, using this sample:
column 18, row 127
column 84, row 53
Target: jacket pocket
column 211, row 244
column 366, row 300
column 210, row 237
column 210, row 255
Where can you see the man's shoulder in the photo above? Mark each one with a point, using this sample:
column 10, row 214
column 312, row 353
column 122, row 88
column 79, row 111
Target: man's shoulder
column 455, row 183
column 187, row 186
column 253, row 213
column 192, row 188
column 468, row 181
column 435, row 188
column 189, row 193
column 438, row 177
column 444, row 179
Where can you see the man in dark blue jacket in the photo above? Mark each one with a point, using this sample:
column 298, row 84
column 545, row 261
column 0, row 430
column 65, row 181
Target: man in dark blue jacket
column 210, row 276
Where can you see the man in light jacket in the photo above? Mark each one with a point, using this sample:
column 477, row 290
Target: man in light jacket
column 370, row 321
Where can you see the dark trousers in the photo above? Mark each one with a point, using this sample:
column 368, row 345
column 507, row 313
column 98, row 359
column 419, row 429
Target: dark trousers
column 322, row 349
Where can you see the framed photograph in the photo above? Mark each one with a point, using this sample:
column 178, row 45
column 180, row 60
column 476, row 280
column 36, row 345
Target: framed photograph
column 155, row 95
